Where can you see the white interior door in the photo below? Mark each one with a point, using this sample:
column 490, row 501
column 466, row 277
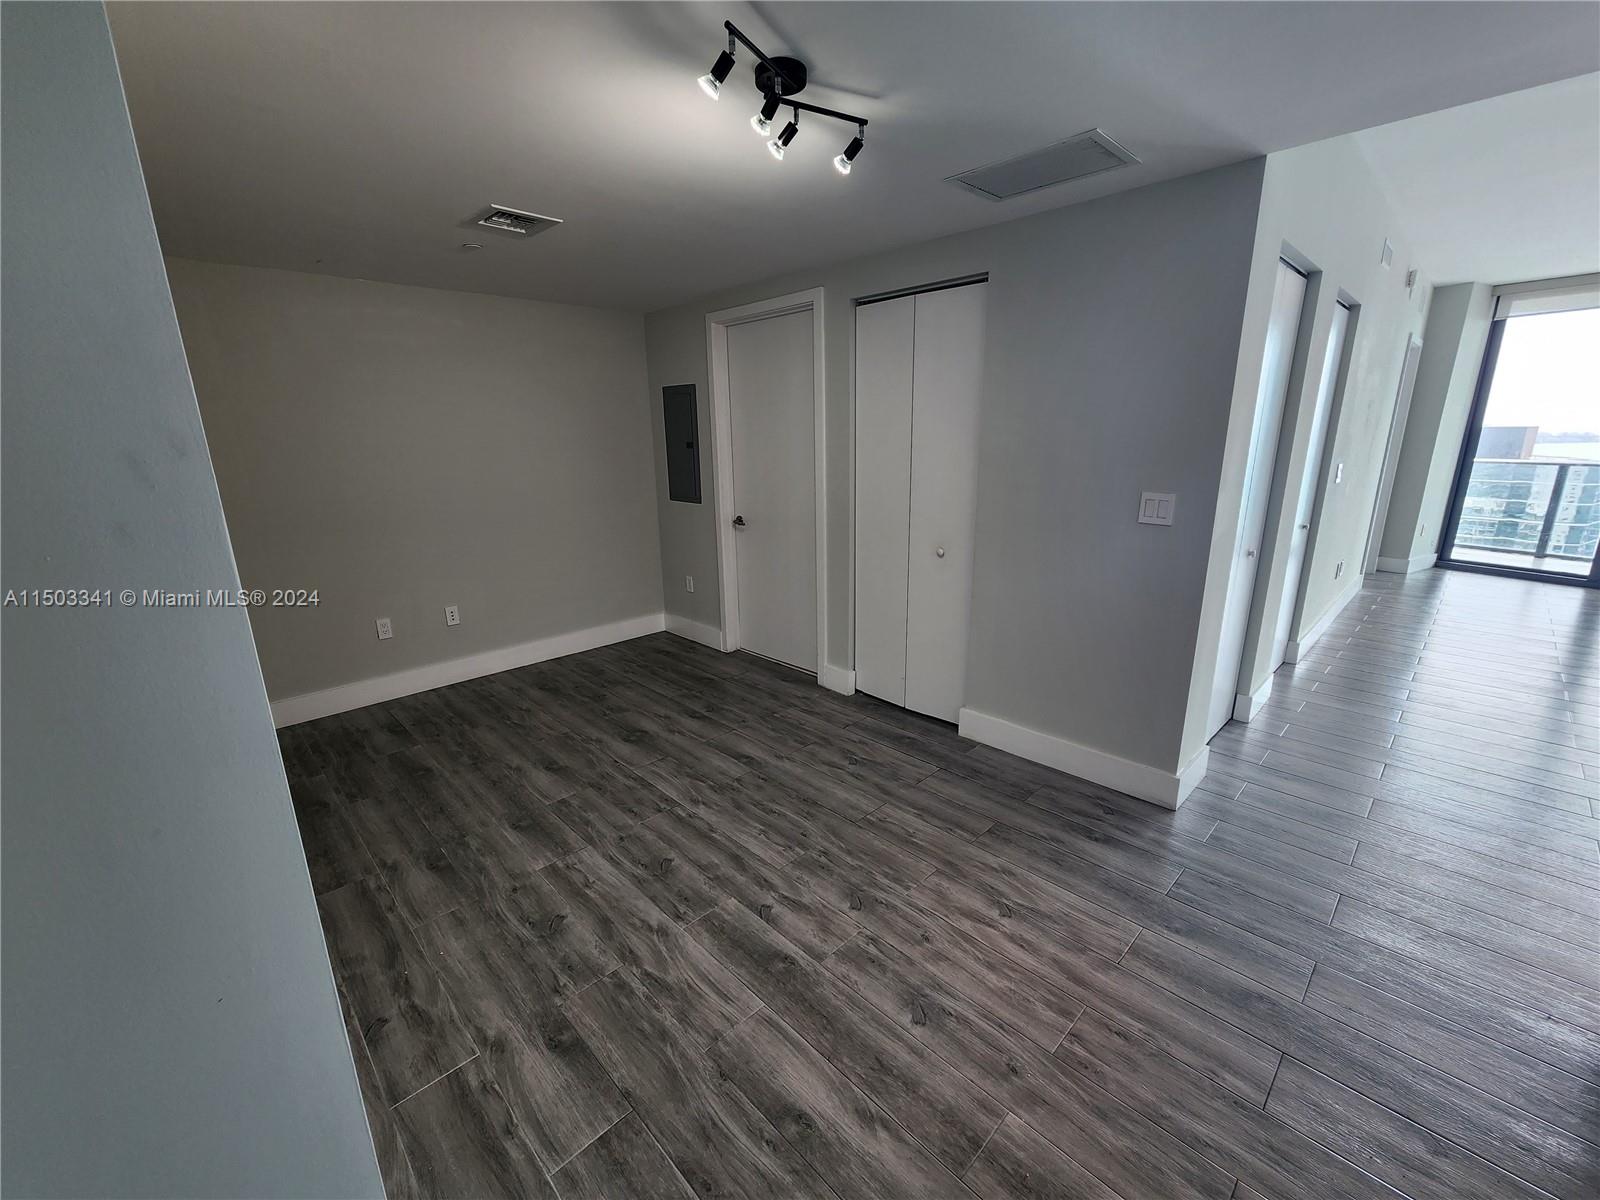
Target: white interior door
column 774, row 486
column 885, row 333
column 1300, row 539
column 948, row 375
column 1288, row 295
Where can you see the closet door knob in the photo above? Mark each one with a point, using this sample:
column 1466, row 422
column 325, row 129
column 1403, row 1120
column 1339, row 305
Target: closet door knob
column 940, row 551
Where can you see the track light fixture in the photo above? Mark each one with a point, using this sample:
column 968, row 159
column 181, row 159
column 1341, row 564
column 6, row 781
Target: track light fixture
column 842, row 162
column 779, row 80
column 781, row 143
column 762, row 121
column 711, row 82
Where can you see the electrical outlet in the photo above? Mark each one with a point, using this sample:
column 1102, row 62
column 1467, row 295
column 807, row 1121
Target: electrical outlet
column 452, row 615
column 385, row 629
column 688, row 583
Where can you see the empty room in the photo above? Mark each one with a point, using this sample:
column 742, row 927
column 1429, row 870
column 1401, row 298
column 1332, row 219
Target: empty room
column 838, row 600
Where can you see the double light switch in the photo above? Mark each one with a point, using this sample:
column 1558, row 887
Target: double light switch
column 1155, row 508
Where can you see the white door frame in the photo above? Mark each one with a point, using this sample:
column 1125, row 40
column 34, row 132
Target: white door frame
column 717, row 326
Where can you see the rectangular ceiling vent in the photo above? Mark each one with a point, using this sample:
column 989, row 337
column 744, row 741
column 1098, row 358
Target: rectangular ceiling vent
column 515, row 221
column 1078, row 157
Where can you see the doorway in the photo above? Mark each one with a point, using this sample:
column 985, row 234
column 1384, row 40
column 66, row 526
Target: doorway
column 1283, row 331
column 1391, row 453
column 1526, row 500
column 768, row 426
column 1306, row 497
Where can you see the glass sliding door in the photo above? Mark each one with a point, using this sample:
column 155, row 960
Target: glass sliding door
column 1527, row 495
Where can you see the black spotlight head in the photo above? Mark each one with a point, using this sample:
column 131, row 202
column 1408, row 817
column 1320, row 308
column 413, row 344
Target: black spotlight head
column 711, row 83
column 762, row 121
column 843, row 161
column 781, row 143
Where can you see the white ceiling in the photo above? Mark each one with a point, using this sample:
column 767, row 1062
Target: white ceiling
column 357, row 139
column 1502, row 190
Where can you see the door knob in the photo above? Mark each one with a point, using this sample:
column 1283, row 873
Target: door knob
column 738, row 522
column 1249, row 553
column 940, row 551
column 1305, row 527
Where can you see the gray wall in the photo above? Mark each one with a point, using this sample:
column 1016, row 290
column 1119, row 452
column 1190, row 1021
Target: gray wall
column 171, row 1024
column 1441, row 401
column 1113, row 334
column 1321, row 206
column 404, row 448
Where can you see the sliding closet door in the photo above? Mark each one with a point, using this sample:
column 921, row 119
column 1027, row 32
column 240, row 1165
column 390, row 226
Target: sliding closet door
column 884, row 339
column 947, row 369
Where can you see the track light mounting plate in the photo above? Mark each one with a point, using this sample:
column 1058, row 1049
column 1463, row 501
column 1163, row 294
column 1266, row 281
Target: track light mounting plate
column 781, row 77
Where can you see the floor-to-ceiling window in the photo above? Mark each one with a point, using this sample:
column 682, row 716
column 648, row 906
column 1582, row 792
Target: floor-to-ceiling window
column 1527, row 495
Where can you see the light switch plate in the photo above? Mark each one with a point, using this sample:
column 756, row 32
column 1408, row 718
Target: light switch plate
column 1156, row 508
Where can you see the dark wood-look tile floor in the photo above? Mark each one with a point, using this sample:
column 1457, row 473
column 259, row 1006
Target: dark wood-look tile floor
column 655, row 921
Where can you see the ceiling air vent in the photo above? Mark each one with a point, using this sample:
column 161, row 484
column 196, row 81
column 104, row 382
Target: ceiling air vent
column 1078, row 157
column 515, row 221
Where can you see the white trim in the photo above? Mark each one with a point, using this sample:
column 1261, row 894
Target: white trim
column 308, row 706
column 717, row 326
column 706, row 635
column 1405, row 566
column 1166, row 788
column 1191, row 773
column 838, row 679
column 1566, row 294
column 1301, row 646
column 1246, row 707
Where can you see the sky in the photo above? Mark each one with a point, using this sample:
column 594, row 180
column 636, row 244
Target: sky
column 1549, row 373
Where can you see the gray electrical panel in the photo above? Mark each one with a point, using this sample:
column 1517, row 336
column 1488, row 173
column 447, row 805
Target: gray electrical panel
column 683, row 442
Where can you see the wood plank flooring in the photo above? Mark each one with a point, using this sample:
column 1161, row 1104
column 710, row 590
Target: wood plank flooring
column 657, row 921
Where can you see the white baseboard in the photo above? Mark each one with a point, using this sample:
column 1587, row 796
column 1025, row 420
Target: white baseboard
column 837, row 679
column 1191, row 773
column 1301, row 646
column 706, row 635
column 292, row 710
column 1405, row 566
column 1246, row 707
column 1166, row 788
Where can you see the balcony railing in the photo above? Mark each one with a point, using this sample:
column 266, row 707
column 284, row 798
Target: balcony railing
column 1540, row 507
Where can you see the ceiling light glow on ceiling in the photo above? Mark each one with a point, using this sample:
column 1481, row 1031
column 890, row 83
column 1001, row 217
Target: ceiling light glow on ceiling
column 778, row 80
